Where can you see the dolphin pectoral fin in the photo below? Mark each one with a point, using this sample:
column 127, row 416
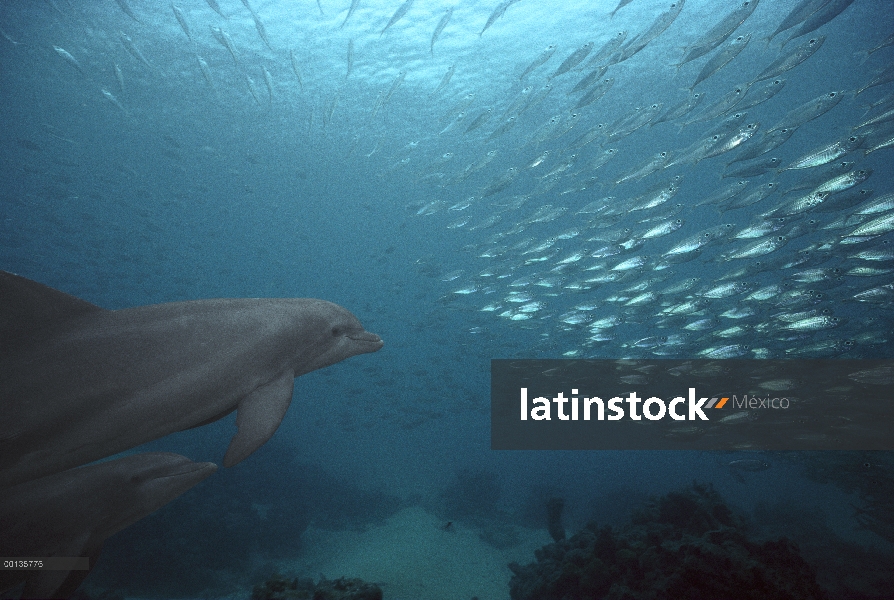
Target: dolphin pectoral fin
column 211, row 420
column 258, row 416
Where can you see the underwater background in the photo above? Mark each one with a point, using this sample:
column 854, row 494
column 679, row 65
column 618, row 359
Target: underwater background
column 465, row 179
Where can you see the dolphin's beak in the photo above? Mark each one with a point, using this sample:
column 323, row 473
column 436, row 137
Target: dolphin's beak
column 366, row 338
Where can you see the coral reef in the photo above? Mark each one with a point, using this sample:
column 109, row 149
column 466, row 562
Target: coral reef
column 686, row 544
column 845, row 569
column 554, row 508
column 281, row 588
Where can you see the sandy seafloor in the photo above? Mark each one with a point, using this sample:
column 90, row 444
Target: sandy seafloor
column 411, row 556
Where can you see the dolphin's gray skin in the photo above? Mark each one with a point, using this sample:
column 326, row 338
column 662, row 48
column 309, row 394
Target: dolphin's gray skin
column 79, row 383
column 72, row 513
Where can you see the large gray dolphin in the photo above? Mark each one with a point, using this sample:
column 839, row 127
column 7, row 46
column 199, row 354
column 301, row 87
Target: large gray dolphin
column 71, row 514
column 79, row 383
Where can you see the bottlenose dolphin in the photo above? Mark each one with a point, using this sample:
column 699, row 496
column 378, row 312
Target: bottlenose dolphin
column 79, row 383
column 71, row 514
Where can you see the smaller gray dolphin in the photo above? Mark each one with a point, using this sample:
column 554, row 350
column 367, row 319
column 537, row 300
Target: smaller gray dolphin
column 79, row 383
column 71, row 514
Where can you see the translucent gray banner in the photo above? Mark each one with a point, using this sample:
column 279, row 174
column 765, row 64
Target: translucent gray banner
column 692, row 404
column 52, row 563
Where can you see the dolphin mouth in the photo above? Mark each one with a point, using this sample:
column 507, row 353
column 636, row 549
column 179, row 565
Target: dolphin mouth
column 366, row 337
column 200, row 470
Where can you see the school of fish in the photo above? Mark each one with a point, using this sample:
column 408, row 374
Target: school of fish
column 717, row 246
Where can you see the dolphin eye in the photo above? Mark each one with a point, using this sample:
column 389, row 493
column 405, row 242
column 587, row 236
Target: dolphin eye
column 336, row 331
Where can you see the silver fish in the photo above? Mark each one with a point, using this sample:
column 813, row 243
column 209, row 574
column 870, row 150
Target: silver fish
column 354, row 4
column 682, row 109
column 754, row 170
column 813, row 324
column 798, row 14
column 587, row 81
column 724, row 194
column 885, row 76
column 827, row 153
column 877, row 226
column 216, row 7
column 113, row 100
column 663, row 229
column 178, row 12
column 206, row 71
column 499, row 11
column 725, row 104
column 758, row 248
column 350, row 57
column 639, row 118
column 573, row 60
column 799, row 205
column 758, row 95
column 444, row 80
column 719, row 60
column 268, row 81
column 544, row 56
column 882, row 118
column 609, row 50
column 620, row 5
column 724, row 290
column 794, row 58
column 500, row 183
column 757, row 195
column 8, row 38
column 224, row 39
column 394, row 85
column 720, row 32
column 760, row 229
column 819, row 18
column 262, row 32
column 127, row 10
column 772, row 139
column 846, row 181
column 119, row 75
column 810, row 110
column 296, row 68
column 132, row 49
column 398, row 15
column 508, row 124
column 887, row 142
column 440, row 27
column 700, row 240
column 480, row 120
column 69, row 59
column 661, row 23
column 251, row 88
column 597, row 92
column 656, row 163
column 733, row 141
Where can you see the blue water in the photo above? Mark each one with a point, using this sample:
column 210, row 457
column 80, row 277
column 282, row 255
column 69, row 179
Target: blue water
column 180, row 188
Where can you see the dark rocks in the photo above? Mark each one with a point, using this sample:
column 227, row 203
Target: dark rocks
column 281, row 588
column 686, row 544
